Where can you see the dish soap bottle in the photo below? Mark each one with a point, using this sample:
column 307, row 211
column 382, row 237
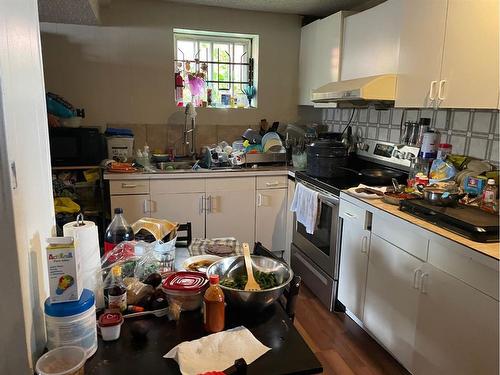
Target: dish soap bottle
column 213, row 306
column 117, row 291
column 117, row 231
column 489, row 197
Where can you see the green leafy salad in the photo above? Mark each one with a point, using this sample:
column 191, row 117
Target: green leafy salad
column 264, row 279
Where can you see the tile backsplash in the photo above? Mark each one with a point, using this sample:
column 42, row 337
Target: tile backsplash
column 471, row 132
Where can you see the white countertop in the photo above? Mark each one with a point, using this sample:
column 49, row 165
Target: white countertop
column 203, row 173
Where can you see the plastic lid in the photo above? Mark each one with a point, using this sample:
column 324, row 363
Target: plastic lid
column 118, row 210
column 214, row 279
column 85, row 302
column 185, row 281
column 109, row 319
column 445, row 145
column 65, row 360
column 491, row 181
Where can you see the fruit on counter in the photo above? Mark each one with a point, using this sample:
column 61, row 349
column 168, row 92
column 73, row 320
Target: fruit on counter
column 159, row 300
column 153, row 279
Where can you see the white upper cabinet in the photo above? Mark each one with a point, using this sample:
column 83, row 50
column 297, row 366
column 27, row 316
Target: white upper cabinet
column 421, row 48
column 469, row 75
column 449, row 54
column 319, row 58
column 371, row 41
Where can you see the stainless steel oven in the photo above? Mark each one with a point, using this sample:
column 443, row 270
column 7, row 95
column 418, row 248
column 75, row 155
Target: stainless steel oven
column 315, row 257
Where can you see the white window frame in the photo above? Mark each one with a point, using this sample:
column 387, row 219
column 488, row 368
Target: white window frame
column 249, row 42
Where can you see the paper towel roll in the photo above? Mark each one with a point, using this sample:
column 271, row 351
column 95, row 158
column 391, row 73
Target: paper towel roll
column 87, row 243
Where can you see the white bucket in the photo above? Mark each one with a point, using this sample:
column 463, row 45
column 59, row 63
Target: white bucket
column 72, row 329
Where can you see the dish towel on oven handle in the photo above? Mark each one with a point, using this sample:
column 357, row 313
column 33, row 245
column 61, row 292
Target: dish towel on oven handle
column 305, row 206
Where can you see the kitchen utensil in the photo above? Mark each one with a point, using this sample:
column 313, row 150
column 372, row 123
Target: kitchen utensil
column 158, row 313
column 209, row 259
column 441, row 197
column 396, row 198
column 252, row 285
column 324, row 157
column 369, row 191
column 252, row 136
column 254, row 300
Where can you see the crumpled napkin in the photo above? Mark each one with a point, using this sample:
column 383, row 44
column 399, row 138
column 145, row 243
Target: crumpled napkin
column 217, row 352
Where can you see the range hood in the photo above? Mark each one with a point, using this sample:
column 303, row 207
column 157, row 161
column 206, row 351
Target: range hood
column 379, row 91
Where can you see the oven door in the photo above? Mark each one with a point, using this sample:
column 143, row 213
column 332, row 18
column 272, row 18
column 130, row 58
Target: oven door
column 321, row 246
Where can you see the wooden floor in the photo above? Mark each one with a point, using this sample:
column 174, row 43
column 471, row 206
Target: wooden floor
column 339, row 343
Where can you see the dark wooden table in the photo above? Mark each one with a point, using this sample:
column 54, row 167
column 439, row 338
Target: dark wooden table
column 131, row 355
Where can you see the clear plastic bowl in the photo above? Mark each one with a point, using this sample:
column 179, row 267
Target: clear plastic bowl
column 65, row 360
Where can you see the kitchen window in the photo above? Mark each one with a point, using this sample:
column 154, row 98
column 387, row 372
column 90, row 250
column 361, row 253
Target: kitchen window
column 215, row 70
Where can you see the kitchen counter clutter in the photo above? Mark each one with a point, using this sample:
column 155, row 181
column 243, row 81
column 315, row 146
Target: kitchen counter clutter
column 405, row 280
column 490, row 249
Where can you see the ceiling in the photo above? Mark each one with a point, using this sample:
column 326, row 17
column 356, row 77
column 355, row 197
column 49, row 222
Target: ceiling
column 317, row 8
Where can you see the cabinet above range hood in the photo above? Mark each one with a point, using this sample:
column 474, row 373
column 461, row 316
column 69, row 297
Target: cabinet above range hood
column 378, row 91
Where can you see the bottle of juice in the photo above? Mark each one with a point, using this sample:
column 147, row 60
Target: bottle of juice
column 213, row 306
column 117, row 292
column 489, row 197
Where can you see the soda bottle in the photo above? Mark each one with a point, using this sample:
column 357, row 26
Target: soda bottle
column 117, row 231
column 117, row 291
column 213, row 306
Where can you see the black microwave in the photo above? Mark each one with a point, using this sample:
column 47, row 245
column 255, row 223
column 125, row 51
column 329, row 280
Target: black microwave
column 76, row 146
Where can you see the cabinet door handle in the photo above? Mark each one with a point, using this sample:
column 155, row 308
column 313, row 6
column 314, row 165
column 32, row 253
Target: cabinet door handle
column 423, row 287
column 364, row 247
column 201, row 205
column 275, row 183
column 431, row 90
column 145, row 206
column 416, row 275
column 441, row 89
column 259, row 200
column 128, row 186
column 209, row 204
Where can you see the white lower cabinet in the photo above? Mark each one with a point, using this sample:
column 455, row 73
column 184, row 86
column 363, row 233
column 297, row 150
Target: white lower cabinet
column 134, row 206
column 181, row 208
column 270, row 219
column 392, row 297
column 231, row 209
column 457, row 328
column 353, row 265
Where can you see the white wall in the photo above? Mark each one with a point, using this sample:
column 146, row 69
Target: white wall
column 122, row 71
column 26, row 208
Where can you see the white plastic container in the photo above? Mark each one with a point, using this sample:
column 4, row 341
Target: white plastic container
column 66, row 360
column 72, row 323
column 120, row 148
column 110, row 325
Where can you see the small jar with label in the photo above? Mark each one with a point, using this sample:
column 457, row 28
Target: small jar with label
column 116, row 291
column 489, row 197
column 444, row 150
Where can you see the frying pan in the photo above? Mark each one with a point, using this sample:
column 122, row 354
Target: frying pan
column 376, row 176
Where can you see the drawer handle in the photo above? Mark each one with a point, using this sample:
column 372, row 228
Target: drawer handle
column 416, row 275
column 275, row 183
column 128, row 186
column 350, row 215
column 259, row 200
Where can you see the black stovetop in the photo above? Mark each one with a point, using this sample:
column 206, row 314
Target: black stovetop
column 470, row 222
column 345, row 179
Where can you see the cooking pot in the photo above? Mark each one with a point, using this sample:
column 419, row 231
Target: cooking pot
column 439, row 196
column 325, row 157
